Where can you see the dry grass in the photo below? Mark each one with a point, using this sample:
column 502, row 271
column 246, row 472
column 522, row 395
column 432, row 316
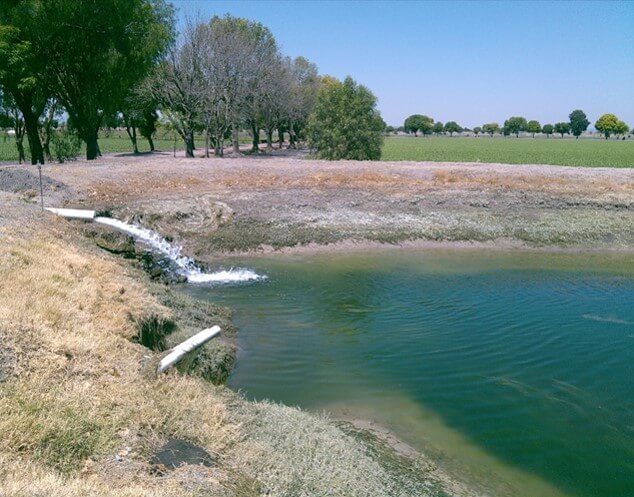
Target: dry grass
column 165, row 184
column 79, row 387
column 535, row 182
column 82, row 413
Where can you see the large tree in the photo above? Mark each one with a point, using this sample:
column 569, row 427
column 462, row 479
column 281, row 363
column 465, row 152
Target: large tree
column 515, row 125
column 578, row 122
column 533, row 127
column 238, row 65
column 178, row 85
column 491, row 128
column 345, row 123
column 418, row 122
column 23, row 71
column 621, row 128
column 607, row 124
column 548, row 129
column 562, row 128
column 305, row 83
column 97, row 51
column 452, row 127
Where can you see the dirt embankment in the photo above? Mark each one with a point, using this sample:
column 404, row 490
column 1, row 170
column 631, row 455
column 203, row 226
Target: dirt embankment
column 214, row 206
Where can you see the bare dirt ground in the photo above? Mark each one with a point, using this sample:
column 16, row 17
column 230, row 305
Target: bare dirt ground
column 286, row 202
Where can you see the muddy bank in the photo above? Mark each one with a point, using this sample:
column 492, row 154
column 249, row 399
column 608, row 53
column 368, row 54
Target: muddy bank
column 250, row 205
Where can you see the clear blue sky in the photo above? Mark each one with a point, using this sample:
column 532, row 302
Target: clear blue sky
column 472, row 62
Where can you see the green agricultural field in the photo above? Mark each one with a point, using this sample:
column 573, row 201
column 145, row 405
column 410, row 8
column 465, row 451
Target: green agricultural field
column 511, row 150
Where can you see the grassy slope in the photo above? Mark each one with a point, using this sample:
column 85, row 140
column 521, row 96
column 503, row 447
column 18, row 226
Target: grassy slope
column 82, row 411
column 565, row 152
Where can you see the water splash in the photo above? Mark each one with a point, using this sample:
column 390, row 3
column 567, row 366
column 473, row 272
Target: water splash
column 184, row 265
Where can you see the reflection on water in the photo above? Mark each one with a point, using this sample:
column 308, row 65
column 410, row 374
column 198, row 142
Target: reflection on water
column 516, row 366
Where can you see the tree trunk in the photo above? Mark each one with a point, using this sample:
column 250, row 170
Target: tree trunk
column 291, row 135
column 269, row 140
column 280, row 138
column 256, row 138
column 131, row 130
column 47, row 131
column 151, row 142
column 234, row 137
column 19, row 143
column 32, row 133
column 218, row 146
column 207, row 141
column 92, row 147
column 189, row 143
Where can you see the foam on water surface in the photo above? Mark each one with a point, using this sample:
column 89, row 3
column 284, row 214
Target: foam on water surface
column 185, row 266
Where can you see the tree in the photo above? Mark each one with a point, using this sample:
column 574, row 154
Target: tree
column 562, row 128
column 438, row 128
column 305, row 83
column 548, row 129
column 274, row 96
column 515, row 125
column 621, row 128
column 578, row 122
column 97, row 52
column 452, row 127
column 16, row 120
column 533, row 127
column 48, row 124
column 178, row 86
column 418, row 122
column 345, row 123
column 491, row 128
column 23, row 71
column 607, row 124
column 477, row 130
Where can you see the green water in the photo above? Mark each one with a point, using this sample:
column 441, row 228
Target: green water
column 515, row 369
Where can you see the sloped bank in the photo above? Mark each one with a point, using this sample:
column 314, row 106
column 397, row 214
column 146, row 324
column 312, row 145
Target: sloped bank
column 83, row 412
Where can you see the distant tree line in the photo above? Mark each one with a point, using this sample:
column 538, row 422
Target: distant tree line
column 120, row 63
column 577, row 124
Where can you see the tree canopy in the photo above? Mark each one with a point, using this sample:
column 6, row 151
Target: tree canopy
column 562, row 128
column 418, row 123
column 548, row 129
column 98, row 51
column 345, row 123
column 491, row 128
column 533, row 127
column 608, row 124
column 578, row 122
column 452, row 127
column 515, row 125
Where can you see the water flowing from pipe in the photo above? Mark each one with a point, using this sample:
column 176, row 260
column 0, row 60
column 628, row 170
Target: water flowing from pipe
column 185, row 266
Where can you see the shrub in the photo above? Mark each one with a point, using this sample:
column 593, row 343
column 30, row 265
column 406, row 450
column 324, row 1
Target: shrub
column 345, row 123
column 65, row 146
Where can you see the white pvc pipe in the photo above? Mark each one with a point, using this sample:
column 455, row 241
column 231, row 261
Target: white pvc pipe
column 73, row 213
column 178, row 352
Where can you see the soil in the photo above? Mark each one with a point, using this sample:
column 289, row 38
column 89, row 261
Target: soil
column 260, row 204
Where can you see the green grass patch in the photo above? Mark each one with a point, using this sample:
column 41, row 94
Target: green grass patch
column 115, row 142
column 511, row 150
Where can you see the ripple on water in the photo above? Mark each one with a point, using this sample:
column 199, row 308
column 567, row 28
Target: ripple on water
column 526, row 359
